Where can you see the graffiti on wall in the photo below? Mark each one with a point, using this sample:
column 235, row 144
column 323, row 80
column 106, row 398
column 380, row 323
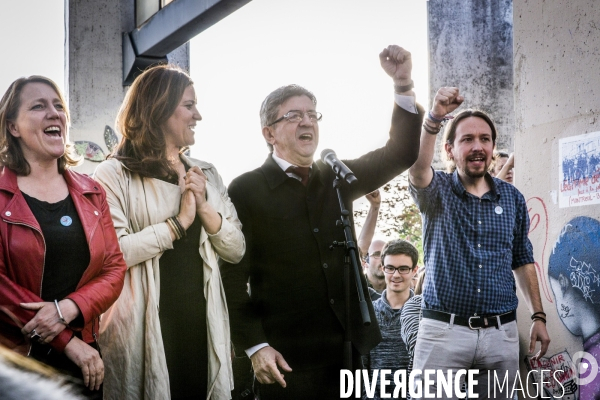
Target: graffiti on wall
column 92, row 151
column 538, row 233
column 556, row 374
column 574, row 275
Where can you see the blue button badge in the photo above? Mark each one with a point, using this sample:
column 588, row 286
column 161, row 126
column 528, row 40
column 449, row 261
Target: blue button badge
column 66, row 220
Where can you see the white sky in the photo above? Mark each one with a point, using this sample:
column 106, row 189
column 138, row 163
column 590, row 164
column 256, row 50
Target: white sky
column 31, row 40
column 330, row 47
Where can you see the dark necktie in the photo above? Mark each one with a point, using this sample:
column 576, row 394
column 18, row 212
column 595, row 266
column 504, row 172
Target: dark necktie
column 302, row 172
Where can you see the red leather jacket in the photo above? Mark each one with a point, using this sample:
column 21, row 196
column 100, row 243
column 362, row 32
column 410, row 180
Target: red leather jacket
column 22, row 256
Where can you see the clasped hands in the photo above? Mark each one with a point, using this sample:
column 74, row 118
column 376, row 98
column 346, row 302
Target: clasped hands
column 47, row 323
column 193, row 198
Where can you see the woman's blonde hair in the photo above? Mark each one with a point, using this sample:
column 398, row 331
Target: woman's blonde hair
column 11, row 154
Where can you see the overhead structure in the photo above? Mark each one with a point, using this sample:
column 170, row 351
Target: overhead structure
column 168, row 29
column 109, row 42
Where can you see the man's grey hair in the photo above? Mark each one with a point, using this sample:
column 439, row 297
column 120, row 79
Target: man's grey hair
column 270, row 106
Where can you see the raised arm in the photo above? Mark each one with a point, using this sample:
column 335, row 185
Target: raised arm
column 381, row 165
column 446, row 100
column 510, row 164
column 397, row 63
column 368, row 229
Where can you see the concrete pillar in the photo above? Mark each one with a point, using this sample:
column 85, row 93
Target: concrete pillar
column 181, row 57
column 470, row 47
column 94, row 68
column 557, row 87
column 94, row 81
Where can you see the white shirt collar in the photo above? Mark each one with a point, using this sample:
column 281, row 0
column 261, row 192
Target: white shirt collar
column 284, row 165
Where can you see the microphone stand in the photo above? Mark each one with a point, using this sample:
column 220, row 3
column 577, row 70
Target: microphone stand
column 350, row 259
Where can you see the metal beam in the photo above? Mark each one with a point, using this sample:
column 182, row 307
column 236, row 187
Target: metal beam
column 133, row 65
column 170, row 28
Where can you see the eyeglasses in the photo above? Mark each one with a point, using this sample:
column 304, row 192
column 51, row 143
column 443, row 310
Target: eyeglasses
column 388, row 269
column 297, row 116
column 376, row 254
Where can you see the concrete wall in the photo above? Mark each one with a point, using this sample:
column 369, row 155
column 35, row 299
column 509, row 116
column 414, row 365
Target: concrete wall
column 94, row 67
column 556, row 51
column 94, row 70
column 557, row 96
column 470, row 47
column 181, row 57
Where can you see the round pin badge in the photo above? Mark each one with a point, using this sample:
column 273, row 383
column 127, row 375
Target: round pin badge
column 498, row 210
column 66, row 220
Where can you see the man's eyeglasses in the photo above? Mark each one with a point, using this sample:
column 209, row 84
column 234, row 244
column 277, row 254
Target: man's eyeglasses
column 388, row 269
column 376, row 254
column 297, row 116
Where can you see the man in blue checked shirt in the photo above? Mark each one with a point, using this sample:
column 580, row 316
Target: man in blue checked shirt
column 475, row 243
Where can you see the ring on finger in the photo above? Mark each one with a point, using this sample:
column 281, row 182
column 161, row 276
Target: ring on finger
column 34, row 335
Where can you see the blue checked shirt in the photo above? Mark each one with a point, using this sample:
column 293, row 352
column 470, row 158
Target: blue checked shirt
column 471, row 245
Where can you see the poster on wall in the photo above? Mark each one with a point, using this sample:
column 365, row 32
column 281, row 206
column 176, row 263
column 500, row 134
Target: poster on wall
column 579, row 170
column 555, row 374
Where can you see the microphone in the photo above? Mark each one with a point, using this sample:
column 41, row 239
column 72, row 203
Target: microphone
column 341, row 170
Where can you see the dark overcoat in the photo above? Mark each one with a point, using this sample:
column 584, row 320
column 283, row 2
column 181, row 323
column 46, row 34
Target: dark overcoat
column 296, row 301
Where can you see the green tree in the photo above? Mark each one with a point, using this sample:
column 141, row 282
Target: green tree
column 399, row 217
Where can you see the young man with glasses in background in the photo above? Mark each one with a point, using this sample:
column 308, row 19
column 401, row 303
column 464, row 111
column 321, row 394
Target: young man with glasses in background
column 399, row 264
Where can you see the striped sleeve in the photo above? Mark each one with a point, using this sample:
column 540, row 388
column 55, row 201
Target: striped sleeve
column 409, row 323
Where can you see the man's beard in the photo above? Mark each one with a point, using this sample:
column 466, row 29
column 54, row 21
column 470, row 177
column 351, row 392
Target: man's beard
column 379, row 273
column 474, row 174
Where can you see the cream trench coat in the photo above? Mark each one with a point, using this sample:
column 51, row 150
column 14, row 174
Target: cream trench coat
column 130, row 336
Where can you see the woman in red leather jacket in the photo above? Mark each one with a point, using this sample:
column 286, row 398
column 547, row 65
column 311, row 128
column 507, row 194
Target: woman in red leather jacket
column 60, row 262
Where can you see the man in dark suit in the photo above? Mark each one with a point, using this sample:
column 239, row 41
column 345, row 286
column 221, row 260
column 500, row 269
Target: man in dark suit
column 286, row 298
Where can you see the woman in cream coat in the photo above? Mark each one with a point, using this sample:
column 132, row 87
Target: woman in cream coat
column 167, row 336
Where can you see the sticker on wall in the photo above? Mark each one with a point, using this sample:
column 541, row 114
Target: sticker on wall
column 110, row 138
column 89, row 150
column 558, row 375
column 579, row 170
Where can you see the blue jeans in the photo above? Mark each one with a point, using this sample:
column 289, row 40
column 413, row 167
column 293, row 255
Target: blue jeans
column 449, row 347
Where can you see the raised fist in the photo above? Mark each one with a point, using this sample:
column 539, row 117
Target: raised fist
column 397, row 63
column 447, row 99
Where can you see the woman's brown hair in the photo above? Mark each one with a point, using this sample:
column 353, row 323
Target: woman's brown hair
column 11, row 154
column 150, row 101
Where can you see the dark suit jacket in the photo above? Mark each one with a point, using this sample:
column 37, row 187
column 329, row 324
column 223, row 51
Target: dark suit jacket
column 296, row 301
